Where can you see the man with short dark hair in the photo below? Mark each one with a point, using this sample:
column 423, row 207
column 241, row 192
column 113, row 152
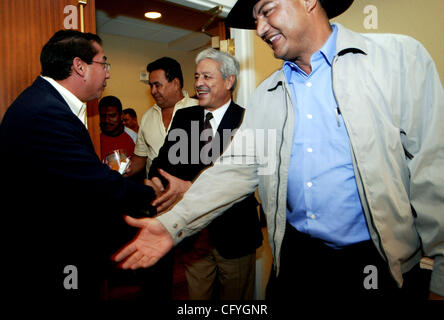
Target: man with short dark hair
column 166, row 85
column 129, row 117
column 114, row 134
column 67, row 201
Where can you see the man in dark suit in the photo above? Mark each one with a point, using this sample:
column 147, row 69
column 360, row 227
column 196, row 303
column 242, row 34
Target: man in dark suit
column 224, row 253
column 59, row 199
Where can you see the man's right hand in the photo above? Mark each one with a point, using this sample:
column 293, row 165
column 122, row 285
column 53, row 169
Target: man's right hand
column 173, row 193
column 151, row 243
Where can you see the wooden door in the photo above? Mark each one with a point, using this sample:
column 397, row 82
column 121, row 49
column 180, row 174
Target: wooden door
column 25, row 26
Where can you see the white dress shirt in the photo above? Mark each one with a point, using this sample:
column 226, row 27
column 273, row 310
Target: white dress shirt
column 76, row 106
column 218, row 114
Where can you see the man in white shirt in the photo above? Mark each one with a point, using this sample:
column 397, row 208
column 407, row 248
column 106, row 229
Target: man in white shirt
column 166, row 83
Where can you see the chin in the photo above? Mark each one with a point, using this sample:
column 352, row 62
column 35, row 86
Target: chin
column 203, row 103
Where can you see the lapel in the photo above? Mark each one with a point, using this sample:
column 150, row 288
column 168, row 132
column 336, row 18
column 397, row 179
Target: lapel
column 232, row 118
column 231, row 121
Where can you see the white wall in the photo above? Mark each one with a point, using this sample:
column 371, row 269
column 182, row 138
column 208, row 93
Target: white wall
column 128, row 56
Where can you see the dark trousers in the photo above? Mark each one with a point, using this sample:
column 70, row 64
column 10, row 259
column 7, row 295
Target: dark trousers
column 310, row 270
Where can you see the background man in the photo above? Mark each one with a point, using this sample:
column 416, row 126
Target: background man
column 63, row 195
column 223, row 255
column 166, row 83
column 358, row 121
column 114, row 134
column 129, row 117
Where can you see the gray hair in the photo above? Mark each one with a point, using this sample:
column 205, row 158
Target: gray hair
column 228, row 65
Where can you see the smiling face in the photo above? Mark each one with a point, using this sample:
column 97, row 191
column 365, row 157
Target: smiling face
column 110, row 120
column 163, row 91
column 285, row 26
column 212, row 90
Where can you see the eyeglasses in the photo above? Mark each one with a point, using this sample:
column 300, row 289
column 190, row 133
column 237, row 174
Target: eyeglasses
column 106, row 65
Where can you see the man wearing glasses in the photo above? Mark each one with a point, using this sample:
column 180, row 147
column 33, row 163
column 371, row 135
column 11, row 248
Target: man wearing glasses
column 56, row 185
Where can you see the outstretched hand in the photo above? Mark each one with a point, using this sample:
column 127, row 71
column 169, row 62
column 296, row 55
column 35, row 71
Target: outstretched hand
column 150, row 244
column 173, row 193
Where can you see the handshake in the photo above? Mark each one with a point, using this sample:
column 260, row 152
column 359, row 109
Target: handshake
column 153, row 240
column 166, row 198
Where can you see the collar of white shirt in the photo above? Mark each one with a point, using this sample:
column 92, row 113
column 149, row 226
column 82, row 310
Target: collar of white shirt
column 218, row 114
column 76, row 106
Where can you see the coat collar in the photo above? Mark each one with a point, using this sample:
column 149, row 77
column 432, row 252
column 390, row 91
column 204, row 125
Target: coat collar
column 348, row 41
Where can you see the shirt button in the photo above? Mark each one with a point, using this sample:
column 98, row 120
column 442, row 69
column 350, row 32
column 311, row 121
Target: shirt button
column 313, row 216
column 309, row 150
column 180, row 234
column 308, row 84
column 309, row 116
column 309, row 184
column 175, row 226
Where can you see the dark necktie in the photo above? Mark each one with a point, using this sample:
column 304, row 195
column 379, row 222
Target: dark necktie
column 207, row 126
column 207, row 136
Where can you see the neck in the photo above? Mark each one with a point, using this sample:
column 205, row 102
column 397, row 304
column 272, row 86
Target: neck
column 72, row 85
column 220, row 105
column 318, row 37
column 119, row 130
column 167, row 115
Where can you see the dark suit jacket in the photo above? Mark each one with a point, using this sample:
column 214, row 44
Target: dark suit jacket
column 237, row 231
column 63, row 206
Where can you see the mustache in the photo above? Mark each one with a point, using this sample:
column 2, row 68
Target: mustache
column 202, row 89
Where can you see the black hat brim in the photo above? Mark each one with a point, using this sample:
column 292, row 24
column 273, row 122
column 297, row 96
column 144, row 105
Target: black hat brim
column 241, row 15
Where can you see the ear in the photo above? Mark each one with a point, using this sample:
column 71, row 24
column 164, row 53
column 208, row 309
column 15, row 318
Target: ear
column 79, row 66
column 310, row 5
column 229, row 81
column 176, row 82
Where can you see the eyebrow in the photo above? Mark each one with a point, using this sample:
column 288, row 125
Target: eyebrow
column 260, row 9
column 203, row 72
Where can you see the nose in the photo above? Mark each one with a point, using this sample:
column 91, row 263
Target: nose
column 262, row 26
column 197, row 81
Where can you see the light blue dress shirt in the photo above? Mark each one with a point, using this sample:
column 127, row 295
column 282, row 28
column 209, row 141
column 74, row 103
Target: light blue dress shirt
column 322, row 196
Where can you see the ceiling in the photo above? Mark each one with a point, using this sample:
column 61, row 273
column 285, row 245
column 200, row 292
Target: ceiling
column 180, row 26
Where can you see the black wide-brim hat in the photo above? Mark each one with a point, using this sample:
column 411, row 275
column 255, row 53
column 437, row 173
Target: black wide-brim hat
column 241, row 16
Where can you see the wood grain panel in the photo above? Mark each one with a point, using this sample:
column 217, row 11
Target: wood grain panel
column 26, row 25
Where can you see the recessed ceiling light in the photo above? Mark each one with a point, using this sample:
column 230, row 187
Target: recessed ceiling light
column 153, row 15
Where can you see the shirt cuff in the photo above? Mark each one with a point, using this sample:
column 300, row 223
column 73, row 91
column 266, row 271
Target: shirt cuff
column 175, row 225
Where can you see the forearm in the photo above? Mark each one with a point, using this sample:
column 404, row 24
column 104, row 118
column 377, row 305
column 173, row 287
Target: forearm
column 216, row 190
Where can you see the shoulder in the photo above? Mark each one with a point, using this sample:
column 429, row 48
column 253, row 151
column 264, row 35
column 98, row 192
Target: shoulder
column 39, row 99
column 236, row 109
column 393, row 42
column 132, row 134
column 190, row 111
column 271, row 81
column 150, row 113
